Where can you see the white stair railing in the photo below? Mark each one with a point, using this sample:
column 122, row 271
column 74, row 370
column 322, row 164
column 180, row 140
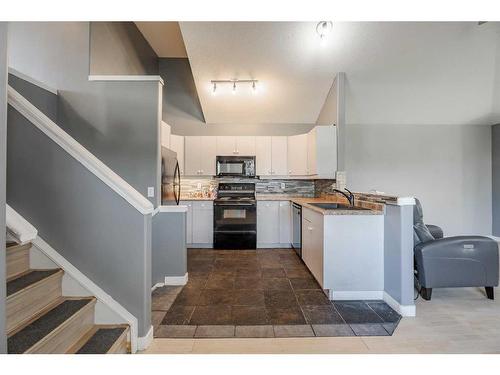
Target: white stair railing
column 18, row 228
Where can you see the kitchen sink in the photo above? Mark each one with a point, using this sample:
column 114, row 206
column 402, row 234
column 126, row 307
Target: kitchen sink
column 336, row 206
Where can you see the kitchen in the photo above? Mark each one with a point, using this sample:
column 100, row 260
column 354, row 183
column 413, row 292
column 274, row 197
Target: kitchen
column 250, row 193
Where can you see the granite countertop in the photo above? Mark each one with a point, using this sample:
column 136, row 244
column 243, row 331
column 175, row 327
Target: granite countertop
column 305, row 202
column 184, row 198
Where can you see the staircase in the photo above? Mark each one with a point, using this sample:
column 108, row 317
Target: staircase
column 41, row 320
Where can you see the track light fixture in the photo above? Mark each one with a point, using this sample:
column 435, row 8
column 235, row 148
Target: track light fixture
column 234, row 83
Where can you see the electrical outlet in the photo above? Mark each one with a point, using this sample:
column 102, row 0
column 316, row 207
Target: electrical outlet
column 283, row 186
column 151, row 192
column 198, row 185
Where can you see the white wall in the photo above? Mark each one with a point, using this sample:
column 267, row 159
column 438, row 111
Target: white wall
column 448, row 167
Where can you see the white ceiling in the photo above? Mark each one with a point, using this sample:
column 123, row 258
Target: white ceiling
column 401, row 73
column 294, row 71
column 164, row 37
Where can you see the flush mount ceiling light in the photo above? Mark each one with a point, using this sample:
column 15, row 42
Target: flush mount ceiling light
column 234, row 83
column 324, row 29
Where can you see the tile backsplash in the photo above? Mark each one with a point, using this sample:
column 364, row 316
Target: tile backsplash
column 191, row 187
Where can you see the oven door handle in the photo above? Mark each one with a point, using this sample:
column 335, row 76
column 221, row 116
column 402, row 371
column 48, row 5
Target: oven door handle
column 234, row 204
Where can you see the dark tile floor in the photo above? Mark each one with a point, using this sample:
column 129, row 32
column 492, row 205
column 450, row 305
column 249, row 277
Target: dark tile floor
column 260, row 293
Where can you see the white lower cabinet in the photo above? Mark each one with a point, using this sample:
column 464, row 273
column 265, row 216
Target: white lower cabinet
column 199, row 223
column 273, row 224
column 312, row 243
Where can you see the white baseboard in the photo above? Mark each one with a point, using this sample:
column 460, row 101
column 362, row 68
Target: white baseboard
column 156, row 286
column 274, row 246
column 403, row 310
column 176, row 280
column 200, row 245
column 145, row 341
column 93, row 288
column 355, row 295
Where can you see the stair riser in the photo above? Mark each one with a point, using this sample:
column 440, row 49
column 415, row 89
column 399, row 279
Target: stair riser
column 18, row 260
column 24, row 305
column 65, row 336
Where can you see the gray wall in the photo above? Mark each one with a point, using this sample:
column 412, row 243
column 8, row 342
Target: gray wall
column 118, row 48
column 82, row 218
column 447, row 167
column 398, row 253
column 116, row 121
column 182, row 109
column 495, row 155
column 168, row 251
column 3, row 146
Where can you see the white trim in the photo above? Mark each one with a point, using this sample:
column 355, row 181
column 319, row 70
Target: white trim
column 144, row 341
column 80, row 153
column 17, row 226
column 355, row 295
column 406, row 201
column 170, row 209
column 93, row 288
column 403, row 310
column 126, row 78
column 157, row 285
column 176, row 280
column 33, row 81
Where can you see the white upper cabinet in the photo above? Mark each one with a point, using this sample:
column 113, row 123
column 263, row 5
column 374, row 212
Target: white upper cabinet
column 192, row 156
column 245, row 146
column 279, row 156
column 297, row 155
column 263, row 156
column 177, row 145
column 322, row 151
column 271, row 156
column 208, row 154
column 199, row 156
column 165, row 131
column 228, row 145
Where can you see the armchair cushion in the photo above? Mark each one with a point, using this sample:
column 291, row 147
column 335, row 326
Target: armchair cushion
column 420, row 230
column 435, row 231
column 461, row 261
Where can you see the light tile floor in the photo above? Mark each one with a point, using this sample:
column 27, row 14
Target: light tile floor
column 454, row 321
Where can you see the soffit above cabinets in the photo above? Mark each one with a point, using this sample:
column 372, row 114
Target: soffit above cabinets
column 295, row 72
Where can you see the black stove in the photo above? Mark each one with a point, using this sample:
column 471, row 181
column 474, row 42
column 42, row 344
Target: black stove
column 235, row 216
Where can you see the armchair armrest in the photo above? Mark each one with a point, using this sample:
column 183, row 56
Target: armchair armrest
column 459, row 261
column 436, row 231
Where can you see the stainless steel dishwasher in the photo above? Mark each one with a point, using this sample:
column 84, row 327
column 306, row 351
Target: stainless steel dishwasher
column 297, row 228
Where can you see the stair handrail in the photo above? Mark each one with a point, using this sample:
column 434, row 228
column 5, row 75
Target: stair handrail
column 18, row 227
column 78, row 152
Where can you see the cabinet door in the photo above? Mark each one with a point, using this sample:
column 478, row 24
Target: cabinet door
column 312, row 232
column 189, row 221
column 192, row 156
column 263, row 156
column 226, row 146
column 203, row 218
column 297, row 155
column 208, row 147
column 311, row 152
column 268, row 223
column 165, row 134
column 279, row 156
column 285, row 222
column 177, row 145
column 245, row 146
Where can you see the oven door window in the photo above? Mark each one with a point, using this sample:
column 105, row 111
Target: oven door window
column 236, row 168
column 232, row 213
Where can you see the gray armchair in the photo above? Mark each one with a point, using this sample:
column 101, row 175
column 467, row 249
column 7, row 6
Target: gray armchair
column 461, row 261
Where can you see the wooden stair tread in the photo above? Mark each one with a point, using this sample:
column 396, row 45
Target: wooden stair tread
column 25, row 280
column 102, row 340
column 24, row 339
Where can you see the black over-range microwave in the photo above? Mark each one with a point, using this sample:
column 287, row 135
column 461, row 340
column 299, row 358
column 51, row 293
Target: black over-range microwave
column 235, row 166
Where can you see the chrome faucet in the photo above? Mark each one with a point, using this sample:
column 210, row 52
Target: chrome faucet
column 349, row 197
